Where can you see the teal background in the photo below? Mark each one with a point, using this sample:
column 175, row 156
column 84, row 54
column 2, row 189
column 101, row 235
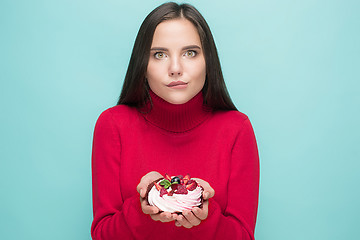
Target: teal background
column 291, row 66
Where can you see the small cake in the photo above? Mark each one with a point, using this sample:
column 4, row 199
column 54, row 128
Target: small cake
column 175, row 194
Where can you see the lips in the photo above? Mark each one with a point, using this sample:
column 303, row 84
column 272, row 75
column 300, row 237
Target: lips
column 176, row 83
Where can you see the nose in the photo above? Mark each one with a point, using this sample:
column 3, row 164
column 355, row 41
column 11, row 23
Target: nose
column 175, row 68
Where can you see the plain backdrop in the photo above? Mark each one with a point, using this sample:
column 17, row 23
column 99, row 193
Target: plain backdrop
column 291, row 66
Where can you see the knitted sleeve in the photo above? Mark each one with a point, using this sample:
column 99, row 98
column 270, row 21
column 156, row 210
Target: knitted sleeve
column 239, row 218
column 114, row 217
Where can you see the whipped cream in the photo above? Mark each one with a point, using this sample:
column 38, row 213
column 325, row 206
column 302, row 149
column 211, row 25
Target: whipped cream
column 176, row 202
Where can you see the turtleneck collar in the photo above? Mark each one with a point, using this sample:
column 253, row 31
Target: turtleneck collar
column 176, row 117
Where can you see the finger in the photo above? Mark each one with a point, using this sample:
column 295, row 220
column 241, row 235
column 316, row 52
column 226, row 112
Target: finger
column 177, row 223
column 174, row 215
column 184, row 222
column 146, row 208
column 202, row 213
column 145, row 181
column 192, row 219
column 141, row 188
column 155, row 217
column 166, row 217
column 162, row 217
column 209, row 192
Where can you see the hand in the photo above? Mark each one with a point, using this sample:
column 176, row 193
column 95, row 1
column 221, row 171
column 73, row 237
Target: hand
column 153, row 211
column 208, row 192
column 192, row 218
column 145, row 181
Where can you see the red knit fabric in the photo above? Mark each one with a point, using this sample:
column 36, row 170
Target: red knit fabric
column 218, row 147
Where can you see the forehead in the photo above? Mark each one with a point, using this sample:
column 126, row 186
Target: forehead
column 176, row 33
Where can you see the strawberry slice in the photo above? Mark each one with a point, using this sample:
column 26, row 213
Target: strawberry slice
column 192, row 186
column 163, row 192
column 181, row 189
column 158, row 187
column 186, row 178
column 167, row 177
column 190, row 182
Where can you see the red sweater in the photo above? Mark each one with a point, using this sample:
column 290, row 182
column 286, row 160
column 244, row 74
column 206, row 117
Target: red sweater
column 218, row 147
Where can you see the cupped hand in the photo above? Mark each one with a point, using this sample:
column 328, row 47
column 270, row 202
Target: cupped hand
column 145, row 181
column 208, row 192
column 153, row 211
column 192, row 218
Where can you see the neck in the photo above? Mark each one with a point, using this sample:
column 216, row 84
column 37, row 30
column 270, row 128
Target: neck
column 176, row 117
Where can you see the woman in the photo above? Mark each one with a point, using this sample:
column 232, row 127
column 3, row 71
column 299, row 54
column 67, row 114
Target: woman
column 174, row 116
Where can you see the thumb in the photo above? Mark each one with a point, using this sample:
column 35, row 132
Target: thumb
column 141, row 190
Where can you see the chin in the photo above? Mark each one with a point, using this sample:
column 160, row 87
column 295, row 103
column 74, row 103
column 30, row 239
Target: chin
column 176, row 97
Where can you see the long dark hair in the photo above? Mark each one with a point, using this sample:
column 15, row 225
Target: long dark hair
column 135, row 91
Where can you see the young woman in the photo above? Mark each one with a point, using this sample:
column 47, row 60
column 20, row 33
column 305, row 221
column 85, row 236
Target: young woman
column 174, row 116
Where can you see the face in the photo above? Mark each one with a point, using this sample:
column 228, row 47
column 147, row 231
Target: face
column 176, row 70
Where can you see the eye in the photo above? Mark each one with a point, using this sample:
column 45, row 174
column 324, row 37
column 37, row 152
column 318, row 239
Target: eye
column 159, row 55
column 190, row 53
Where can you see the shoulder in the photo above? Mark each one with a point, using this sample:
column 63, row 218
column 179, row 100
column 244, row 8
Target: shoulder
column 232, row 117
column 119, row 114
column 236, row 124
column 230, row 122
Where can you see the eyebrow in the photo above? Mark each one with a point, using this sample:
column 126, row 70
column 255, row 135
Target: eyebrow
column 184, row 48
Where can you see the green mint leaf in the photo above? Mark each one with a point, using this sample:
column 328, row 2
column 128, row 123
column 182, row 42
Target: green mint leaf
column 166, row 183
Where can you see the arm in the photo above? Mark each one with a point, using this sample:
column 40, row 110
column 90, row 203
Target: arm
column 114, row 217
column 239, row 218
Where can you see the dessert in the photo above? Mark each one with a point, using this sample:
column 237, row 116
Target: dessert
column 175, row 194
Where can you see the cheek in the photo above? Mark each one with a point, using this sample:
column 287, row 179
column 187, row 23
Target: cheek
column 151, row 72
column 199, row 70
column 154, row 71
